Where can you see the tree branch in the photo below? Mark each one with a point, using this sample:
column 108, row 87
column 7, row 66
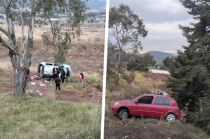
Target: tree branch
column 4, row 44
column 5, row 32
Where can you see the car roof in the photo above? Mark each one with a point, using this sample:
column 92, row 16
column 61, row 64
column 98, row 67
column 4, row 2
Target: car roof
column 156, row 95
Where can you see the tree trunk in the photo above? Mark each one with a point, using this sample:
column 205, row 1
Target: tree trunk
column 118, row 66
column 20, row 82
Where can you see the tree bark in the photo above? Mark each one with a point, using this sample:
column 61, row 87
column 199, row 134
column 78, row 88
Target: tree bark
column 19, row 54
column 20, row 81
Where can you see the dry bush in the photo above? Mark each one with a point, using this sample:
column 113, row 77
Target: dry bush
column 129, row 77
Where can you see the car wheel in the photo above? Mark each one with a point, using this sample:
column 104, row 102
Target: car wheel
column 171, row 117
column 123, row 114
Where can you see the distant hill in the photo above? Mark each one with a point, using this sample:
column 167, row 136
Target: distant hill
column 159, row 56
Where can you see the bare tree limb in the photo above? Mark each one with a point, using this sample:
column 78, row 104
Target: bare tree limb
column 5, row 32
column 4, row 44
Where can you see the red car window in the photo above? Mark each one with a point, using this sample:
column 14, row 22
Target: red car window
column 146, row 100
column 162, row 101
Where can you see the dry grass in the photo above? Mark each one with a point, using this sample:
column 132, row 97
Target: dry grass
column 143, row 83
column 50, row 118
column 28, row 117
column 151, row 129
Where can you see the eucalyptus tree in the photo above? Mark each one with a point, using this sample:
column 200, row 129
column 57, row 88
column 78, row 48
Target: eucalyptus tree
column 126, row 29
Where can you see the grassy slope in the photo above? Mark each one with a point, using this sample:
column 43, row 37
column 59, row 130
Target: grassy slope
column 29, row 117
column 144, row 128
column 152, row 129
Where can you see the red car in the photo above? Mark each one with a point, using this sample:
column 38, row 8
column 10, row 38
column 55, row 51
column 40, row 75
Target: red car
column 148, row 105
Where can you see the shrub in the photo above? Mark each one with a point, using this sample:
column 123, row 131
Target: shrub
column 129, row 77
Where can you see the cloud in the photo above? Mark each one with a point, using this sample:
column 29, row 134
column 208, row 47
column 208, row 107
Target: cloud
column 162, row 19
column 156, row 10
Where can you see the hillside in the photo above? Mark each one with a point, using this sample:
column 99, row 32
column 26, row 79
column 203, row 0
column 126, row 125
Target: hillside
column 85, row 55
column 44, row 113
column 144, row 128
column 159, row 56
column 151, row 129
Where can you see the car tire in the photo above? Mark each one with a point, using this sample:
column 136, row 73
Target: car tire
column 170, row 117
column 123, row 114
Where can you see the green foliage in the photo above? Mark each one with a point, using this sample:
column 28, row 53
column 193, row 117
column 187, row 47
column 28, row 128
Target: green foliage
column 190, row 71
column 202, row 119
column 129, row 77
column 63, row 33
column 28, row 117
column 127, row 26
column 125, row 29
column 62, row 46
column 140, row 62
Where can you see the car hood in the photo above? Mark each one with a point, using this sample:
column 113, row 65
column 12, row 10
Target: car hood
column 122, row 102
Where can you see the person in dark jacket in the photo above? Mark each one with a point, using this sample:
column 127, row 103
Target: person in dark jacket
column 67, row 75
column 63, row 76
column 58, row 83
column 55, row 73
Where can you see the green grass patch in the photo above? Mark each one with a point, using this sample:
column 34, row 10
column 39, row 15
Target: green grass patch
column 29, row 117
column 1, row 81
column 94, row 81
column 97, row 39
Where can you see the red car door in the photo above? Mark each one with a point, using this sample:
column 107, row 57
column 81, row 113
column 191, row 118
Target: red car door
column 142, row 107
column 160, row 106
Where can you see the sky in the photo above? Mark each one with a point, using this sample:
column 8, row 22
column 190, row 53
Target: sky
column 162, row 19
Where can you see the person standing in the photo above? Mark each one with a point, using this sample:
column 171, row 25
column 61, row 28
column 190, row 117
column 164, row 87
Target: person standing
column 58, row 83
column 55, row 73
column 63, row 76
column 67, row 75
column 81, row 80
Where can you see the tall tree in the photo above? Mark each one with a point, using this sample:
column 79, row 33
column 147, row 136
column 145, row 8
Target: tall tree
column 20, row 52
column 190, row 71
column 126, row 28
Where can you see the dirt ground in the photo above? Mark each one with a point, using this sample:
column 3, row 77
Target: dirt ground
column 85, row 55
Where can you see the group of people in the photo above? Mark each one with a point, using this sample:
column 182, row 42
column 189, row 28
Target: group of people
column 60, row 75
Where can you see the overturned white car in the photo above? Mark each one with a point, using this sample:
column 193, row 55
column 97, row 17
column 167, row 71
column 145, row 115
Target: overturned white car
column 45, row 69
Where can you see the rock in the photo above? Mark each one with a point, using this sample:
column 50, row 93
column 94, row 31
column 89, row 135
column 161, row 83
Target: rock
column 33, row 83
column 42, row 85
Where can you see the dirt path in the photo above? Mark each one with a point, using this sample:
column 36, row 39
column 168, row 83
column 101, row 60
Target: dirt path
column 46, row 89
